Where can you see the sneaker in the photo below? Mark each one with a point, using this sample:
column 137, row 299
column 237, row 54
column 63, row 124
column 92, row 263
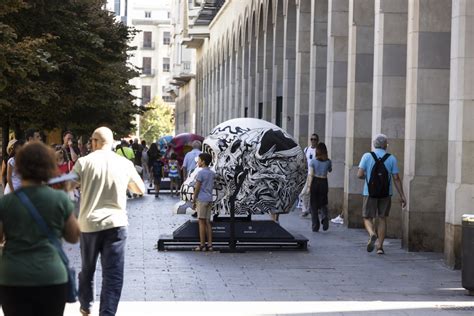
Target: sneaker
column 304, row 214
column 337, row 220
column 371, row 243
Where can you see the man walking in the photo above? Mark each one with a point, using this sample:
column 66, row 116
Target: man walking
column 104, row 178
column 378, row 168
column 190, row 160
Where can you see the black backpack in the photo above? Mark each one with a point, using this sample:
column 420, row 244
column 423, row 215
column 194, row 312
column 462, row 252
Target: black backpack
column 379, row 181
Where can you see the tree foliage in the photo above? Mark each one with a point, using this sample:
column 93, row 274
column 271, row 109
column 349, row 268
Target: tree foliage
column 157, row 121
column 65, row 66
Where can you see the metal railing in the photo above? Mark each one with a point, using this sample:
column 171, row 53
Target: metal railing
column 147, row 45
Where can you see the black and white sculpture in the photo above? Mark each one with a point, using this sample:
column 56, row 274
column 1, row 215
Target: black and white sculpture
column 255, row 161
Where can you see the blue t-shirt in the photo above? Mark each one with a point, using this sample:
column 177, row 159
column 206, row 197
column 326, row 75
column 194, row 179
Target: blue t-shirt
column 320, row 168
column 367, row 163
column 206, row 177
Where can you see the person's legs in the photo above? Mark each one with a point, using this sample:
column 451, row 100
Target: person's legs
column 91, row 243
column 383, row 206
column 369, row 226
column 112, row 259
column 369, row 211
column 16, row 301
column 306, row 204
column 208, row 225
column 33, row 300
column 202, row 232
column 313, row 207
column 50, row 300
column 314, row 220
column 381, row 229
column 157, row 182
column 324, row 217
column 172, row 186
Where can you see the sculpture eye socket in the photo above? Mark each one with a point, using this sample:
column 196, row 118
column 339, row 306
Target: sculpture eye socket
column 235, row 146
column 275, row 138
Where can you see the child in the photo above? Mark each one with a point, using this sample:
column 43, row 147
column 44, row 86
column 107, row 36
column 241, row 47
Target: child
column 173, row 173
column 157, row 172
column 318, row 187
column 202, row 201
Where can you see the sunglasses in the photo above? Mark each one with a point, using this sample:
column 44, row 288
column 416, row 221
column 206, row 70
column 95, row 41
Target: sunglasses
column 314, row 139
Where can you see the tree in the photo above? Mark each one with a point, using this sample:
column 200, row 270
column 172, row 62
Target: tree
column 157, row 121
column 81, row 79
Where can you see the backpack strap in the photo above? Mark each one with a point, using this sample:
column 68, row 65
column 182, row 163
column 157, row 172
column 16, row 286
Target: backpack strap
column 385, row 157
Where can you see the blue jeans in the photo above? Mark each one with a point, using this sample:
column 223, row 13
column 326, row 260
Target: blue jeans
column 110, row 244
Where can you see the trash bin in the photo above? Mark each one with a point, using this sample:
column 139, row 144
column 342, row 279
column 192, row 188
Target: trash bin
column 468, row 252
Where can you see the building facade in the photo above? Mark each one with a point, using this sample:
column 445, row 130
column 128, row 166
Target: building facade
column 152, row 56
column 348, row 70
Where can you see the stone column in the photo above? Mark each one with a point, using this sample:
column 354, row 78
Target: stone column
column 215, row 106
column 220, row 102
column 277, row 74
column 460, row 187
column 426, row 131
column 388, row 116
column 211, row 92
column 259, row 70
column 267, row 68
column 245, row 77
column 251, row 93
column 225, row 106
column 318, row 69
column 238, row 80
column 231, row 83
column 336, row 98
column 302, row 70
column 205, row 98
column 359, row 104
column 289, row 42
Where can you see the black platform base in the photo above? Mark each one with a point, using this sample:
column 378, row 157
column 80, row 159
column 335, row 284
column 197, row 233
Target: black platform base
column 249, row 235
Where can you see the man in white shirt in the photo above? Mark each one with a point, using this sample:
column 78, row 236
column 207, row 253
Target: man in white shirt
column 104, row 178
column 310, row 153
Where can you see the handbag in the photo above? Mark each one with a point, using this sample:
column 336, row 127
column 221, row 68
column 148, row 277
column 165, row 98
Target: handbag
column 71, row 280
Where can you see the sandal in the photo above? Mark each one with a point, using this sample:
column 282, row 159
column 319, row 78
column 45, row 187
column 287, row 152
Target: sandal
column 380, row 251
column 200, row 248
column 371, row 243
column 209, row 248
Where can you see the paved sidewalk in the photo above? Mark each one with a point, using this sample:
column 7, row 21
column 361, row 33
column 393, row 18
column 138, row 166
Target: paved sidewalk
column 336, row 276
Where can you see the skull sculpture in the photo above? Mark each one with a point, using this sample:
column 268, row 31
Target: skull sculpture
column 257, row 164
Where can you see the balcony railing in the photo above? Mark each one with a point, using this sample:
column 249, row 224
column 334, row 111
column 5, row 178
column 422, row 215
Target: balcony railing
column 148, row 72
column 147, row 45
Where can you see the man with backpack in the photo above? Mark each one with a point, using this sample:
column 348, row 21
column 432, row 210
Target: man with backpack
column 378, row 168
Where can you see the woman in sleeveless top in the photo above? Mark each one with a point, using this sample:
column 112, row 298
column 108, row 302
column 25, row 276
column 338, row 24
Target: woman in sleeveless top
column 318, row 187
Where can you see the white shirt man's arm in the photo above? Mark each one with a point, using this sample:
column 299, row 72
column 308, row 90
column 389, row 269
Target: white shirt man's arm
column 136, row 184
